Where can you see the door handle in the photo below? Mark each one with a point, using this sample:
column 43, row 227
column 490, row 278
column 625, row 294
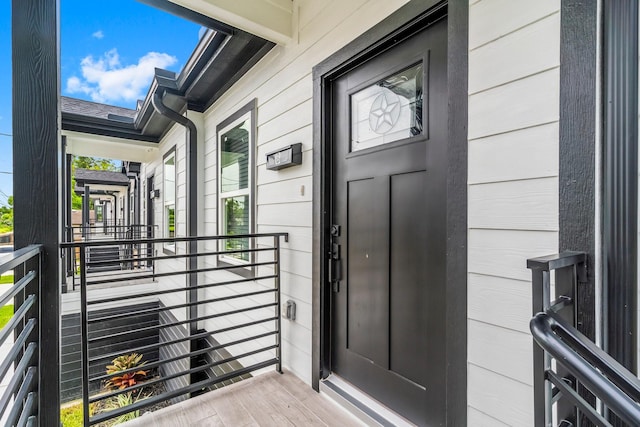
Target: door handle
column 335, row 267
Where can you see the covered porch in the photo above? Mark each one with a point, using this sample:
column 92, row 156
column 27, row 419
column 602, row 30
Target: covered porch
column 215, row 313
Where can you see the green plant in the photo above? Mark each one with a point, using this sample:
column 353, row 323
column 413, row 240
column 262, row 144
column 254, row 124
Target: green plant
column 127, row 379
column 71, row 416
column 6, row 279
column 6, row 313
column 120, row 401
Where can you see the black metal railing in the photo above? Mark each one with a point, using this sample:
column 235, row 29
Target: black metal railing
column 120, row 253
column 19, row 401
column 109, row 231
column 206, row 316
column 571, row 373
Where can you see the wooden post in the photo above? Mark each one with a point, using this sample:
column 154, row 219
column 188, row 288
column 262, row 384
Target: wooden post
column 36, row 144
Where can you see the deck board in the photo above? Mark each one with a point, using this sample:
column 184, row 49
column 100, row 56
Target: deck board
column 267, row 400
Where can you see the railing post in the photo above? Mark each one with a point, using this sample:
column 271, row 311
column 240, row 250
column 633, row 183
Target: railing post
column 276, row 267
column 84, row 336
column 541, row 289
column 567, row 267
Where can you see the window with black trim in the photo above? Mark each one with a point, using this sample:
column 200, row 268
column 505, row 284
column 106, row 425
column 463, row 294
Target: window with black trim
column 169, row 199
column 236, row 183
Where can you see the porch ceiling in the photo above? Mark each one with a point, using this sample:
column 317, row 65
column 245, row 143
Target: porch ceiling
column 270, row 19
column 84, row 144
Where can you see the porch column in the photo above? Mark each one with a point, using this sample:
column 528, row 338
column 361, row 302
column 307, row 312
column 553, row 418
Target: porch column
column 36, row 145
column 86, row 204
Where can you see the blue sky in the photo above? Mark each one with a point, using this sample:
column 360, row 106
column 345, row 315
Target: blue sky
column 108, row 51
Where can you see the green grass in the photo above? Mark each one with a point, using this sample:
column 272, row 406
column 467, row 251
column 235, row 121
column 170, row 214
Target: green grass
column 6, row 312
column 71, row 416
column 6, row 279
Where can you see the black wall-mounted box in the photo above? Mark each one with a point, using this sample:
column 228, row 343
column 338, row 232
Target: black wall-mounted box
column 285, row 157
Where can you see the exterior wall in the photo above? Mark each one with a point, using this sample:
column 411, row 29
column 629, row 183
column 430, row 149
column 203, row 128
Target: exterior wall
column 513, row 195
column 175, row 138
column 282, row 85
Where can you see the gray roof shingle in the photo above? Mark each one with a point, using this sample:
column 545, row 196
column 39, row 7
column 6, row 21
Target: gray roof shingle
column 93, row 109
column 88, row 176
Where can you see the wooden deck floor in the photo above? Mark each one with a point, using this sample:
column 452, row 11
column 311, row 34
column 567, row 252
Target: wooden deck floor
column 270, row 399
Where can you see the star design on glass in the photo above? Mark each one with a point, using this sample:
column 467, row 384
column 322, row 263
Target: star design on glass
column 385, row 111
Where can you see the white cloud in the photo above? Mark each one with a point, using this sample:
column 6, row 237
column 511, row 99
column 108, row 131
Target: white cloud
column 98, row 34
column 107, row 80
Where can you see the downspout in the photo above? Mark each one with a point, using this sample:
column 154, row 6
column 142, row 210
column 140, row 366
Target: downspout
column 191, row 208
column 86, row 202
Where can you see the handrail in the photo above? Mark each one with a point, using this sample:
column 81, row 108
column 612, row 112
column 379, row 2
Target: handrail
column 17, row 257
column 189, row 336
column 173, row 239
column 571, row 374
column 19, row 404
column 566, row 344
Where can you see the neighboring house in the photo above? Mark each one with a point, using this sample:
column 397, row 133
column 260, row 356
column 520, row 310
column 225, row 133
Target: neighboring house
column 442, row 145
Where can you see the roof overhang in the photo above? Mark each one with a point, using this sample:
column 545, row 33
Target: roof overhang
column 268, row 19
column 87, row 144
column 222, row 57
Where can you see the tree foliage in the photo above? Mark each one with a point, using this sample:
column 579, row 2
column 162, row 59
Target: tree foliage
column 76, row 199
column 92, row 163
column 6, row 216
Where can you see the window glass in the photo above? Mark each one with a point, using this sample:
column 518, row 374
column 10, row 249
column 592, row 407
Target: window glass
column 234, row 158
column 169, row 174
column 387, row 111
column 235, row 192
column 235, row 222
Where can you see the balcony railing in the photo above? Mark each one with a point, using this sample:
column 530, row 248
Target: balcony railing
column 208, row 315
column 572, row 374
column 111, row 231
column 119, row 254
column 20, row 365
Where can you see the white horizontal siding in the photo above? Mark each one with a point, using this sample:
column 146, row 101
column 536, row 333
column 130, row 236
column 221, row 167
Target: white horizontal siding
column 502, row 398
column 489, row 20
column 516, row 55
column 516, row 205
column 504, row 253
column 512, row 196
column 479, row 419
column 175, row 138
column 523, row 103
column 514, row 297
column 517, row 155
column 288, row 191
column 503, row 351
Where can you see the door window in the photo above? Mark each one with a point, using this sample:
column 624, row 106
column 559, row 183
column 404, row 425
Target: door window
column 388, row 110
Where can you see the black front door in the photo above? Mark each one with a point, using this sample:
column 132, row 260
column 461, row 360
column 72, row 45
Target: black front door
column 389, row 199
